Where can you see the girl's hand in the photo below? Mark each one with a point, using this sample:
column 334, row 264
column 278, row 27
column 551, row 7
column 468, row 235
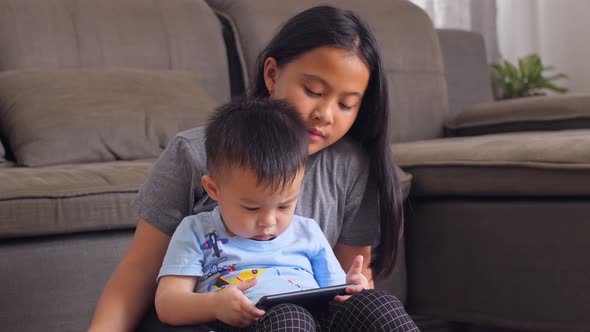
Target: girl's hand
column 356, row 277
column 234, row 308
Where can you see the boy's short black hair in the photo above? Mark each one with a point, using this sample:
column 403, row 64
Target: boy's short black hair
column 263, row 135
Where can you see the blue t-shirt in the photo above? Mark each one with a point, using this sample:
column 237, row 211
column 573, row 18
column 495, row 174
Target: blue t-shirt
column 300, row 258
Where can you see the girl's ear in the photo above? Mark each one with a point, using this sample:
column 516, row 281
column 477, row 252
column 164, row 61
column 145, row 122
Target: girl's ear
column 210, row 187
column 271, row 72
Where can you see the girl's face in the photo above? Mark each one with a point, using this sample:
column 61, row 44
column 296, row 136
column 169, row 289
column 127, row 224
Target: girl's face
column 326, row 86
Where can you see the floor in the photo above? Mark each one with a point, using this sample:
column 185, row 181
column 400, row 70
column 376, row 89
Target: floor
column 430, row 325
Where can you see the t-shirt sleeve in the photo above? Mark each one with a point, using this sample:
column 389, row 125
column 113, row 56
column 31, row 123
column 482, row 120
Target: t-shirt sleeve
column 184, row 256
column 326, row 268
column 169, row 193
column 360, row 226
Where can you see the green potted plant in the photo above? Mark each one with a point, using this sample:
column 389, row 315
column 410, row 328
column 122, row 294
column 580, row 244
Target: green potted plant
column 525, row 80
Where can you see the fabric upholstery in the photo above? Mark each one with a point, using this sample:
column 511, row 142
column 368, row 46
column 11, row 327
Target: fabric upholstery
column 405, row 180
column 52, row 284
column 411, row 55
column 506, row 262
column 546, row 164
column 72, row 116
column 160, row 34
column 466, row 69
column 69, row 198
column 556, row 112
column 2, row 151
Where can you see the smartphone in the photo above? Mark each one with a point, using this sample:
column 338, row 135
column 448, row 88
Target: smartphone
column 311, row 299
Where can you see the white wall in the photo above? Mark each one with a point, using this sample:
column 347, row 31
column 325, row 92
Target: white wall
column 559, row 31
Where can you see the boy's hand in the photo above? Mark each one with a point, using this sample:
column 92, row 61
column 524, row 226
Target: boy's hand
column 356, row 277
column 234, row 308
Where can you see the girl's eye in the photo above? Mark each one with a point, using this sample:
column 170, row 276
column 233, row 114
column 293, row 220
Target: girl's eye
column 311, row 93
column 344, row 107
column 250, row 208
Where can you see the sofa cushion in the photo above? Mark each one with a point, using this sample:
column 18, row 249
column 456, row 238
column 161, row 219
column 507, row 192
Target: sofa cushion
column 556, row 112
column 407, row 40
column 69, row 198
column 466, row 68
column 540, row 164
column 157, row 34
column 72, row 116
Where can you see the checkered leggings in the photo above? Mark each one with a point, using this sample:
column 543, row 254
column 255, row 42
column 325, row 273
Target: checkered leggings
column 370, row 310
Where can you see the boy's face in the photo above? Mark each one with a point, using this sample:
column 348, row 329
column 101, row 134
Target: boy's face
column 251, row 211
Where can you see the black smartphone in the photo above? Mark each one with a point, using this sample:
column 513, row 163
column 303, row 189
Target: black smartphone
column 311, row 299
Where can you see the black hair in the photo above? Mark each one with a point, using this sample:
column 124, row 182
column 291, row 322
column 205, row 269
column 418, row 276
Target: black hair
column 329, row 26
column 265, row 136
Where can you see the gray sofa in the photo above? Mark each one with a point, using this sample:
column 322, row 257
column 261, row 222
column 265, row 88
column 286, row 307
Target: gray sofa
column 91, row 91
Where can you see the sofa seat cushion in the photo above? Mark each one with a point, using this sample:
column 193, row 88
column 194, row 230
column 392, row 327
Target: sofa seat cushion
column 69, row 198
column 536, row 164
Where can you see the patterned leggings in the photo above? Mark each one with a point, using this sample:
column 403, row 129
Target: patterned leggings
column 369, row 310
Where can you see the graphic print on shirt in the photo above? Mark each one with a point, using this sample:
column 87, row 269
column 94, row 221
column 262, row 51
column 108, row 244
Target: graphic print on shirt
column 221, row 282
column 212, row 243
column 289, row 280
column 221, row 265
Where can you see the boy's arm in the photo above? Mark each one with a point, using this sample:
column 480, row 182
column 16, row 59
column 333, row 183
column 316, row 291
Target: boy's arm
column 326, row 268
column 176, row 304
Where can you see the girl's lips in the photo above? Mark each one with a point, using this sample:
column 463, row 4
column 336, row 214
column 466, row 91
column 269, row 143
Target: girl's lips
column 315, row 134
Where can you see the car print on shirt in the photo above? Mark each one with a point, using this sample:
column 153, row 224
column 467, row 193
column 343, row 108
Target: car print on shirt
column 221, row 282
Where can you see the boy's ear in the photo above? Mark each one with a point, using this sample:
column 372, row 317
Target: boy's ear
column 210, row 186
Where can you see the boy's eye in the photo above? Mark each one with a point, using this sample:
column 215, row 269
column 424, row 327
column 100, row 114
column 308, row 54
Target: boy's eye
column 250, row 208
column 284, row 207
column 311, row 93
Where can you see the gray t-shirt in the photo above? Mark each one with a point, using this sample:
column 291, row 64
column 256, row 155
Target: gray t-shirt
column 333, row 191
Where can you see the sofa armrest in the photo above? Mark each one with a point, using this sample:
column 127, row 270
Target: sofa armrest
column 405, row 180
column 540, row 113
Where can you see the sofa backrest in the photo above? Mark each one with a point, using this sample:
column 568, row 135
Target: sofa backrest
column 466, row 69
column 409, row 47
column 155, row 34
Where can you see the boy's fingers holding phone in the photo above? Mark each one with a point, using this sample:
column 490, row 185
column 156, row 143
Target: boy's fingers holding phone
column 251, row 312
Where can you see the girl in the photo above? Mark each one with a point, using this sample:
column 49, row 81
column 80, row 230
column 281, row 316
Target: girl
column 325, row 62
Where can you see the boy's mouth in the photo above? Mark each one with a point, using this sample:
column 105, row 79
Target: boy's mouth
column 263, row 237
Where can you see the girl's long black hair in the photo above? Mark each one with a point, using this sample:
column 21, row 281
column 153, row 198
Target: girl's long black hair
column 329, row 26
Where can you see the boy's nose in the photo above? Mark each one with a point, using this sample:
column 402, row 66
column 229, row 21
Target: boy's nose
column 267, row 221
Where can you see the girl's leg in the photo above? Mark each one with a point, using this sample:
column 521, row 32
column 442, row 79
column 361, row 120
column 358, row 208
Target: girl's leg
column 287, row 317
column 281, row 318
column 369, row 310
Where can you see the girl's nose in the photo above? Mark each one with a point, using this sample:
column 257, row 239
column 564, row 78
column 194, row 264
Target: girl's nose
column 323, row 113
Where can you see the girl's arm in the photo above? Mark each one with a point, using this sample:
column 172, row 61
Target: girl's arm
column 131, row 287
column 347, row 254
column 177, row 304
